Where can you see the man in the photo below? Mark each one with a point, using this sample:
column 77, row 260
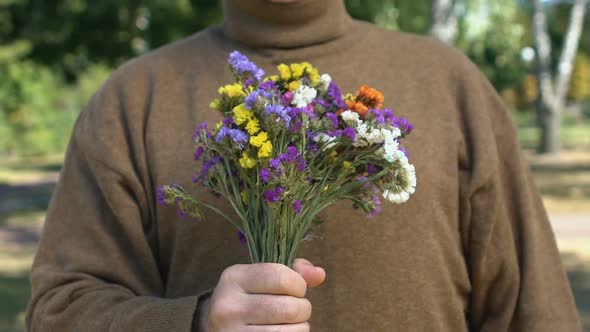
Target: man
column 472, row 250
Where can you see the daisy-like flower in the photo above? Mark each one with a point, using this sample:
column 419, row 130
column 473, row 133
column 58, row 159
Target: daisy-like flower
column 405, row 185
column 303, row 96
column 351, row 118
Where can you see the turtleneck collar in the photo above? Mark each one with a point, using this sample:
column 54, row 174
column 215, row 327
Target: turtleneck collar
column 262, row 24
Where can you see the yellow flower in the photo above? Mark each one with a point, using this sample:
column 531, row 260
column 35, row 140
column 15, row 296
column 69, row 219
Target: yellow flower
column 253, row 126
column 259, row 139
column 346, row 164
column 233, row 90
column 273, row 78
column 242, row 114
column 218, row 125
column 244, row 195
column 284, row 71
column 333, row 155
column 215, row 104
column 298, row 70
column 246, row 161
column 265, row 150
column 293, row 85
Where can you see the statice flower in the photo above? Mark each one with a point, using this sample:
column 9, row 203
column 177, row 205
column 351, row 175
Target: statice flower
column 289, row 146
column 243, row 66
column 304, row 95
column 274, row 195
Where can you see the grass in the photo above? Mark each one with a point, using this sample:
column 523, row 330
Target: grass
column 575, row 133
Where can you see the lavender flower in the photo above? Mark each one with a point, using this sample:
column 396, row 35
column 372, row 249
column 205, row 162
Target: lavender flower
column 201, row 128
column 274, row 195
column 265, row 175
column 242, row 238
column 243, row 66
column 333, row 118
column 297, row 206
column 281, row 112
column 207, row 166
column 161, row 195
column 350, row 133
column 403, row 124
column 336, row 96
column 379, row 116
column 237, row 136
column 405, row 152
column 199, row 153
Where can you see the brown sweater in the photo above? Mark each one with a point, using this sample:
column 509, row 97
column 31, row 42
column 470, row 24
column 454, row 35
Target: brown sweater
column 472, row 250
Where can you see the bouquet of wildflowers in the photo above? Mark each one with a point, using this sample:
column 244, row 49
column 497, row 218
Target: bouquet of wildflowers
column 290, row 145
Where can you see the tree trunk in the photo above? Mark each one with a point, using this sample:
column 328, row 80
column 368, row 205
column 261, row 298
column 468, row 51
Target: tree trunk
column 552, row 95
column 443, row 21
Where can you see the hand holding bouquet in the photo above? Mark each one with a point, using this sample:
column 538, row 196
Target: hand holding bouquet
column 289, row 146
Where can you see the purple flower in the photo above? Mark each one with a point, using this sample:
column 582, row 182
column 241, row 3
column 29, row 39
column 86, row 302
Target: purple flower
column 297, row 206
column 301, row 165
column 207, row 166
column 238, row 136
column 334, row 118
column 323, row 103
column 228, row 121
column 243, row 66
column 252, row 99
column 290, row 156
column 275, row 164
column 334, row 133
column 274, row 195
column 242, row 238
column 388, row 114
column 265, row 175
column 281, row 112
column 402, row 149
column 336, row 96
column 350, row 133
column 248, row 82
column 199, row 153
column 161, row 195
column 376, row 204
column 202, row 127
column 371, row 169
column 268, row 86
column 255, row 96
column 379, row 117
column 403, row 124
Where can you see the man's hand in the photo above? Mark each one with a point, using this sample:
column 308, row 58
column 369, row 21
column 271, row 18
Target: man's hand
column 262, row 297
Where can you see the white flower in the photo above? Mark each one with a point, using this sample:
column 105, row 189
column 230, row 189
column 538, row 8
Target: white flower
column 324, row 138
column 351, row 118
column 403, row 194
column 398, row 198
column 391, row 151
column 361, row 134
column 325, row 81
column 304, row 95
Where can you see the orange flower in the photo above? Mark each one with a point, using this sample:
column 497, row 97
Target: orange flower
column 357, row 106
column 371, row 98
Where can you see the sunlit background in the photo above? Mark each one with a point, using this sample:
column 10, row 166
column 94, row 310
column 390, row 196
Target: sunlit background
column 55, row 54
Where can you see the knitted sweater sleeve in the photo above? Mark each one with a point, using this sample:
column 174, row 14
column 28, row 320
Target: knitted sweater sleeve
column 97, row 264
column 518, row 281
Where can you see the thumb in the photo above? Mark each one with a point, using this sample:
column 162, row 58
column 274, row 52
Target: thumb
column 313, row 275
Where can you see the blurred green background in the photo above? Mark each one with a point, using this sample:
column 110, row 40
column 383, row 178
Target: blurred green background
column 55, row 54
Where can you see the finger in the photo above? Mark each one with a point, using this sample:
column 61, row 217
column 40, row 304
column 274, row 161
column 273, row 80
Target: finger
column 313, row 275
column 301, row 327
column 270, row 278
column 276, row 309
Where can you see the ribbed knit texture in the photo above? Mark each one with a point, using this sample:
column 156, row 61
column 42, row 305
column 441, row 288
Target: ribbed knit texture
column 472, row 250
